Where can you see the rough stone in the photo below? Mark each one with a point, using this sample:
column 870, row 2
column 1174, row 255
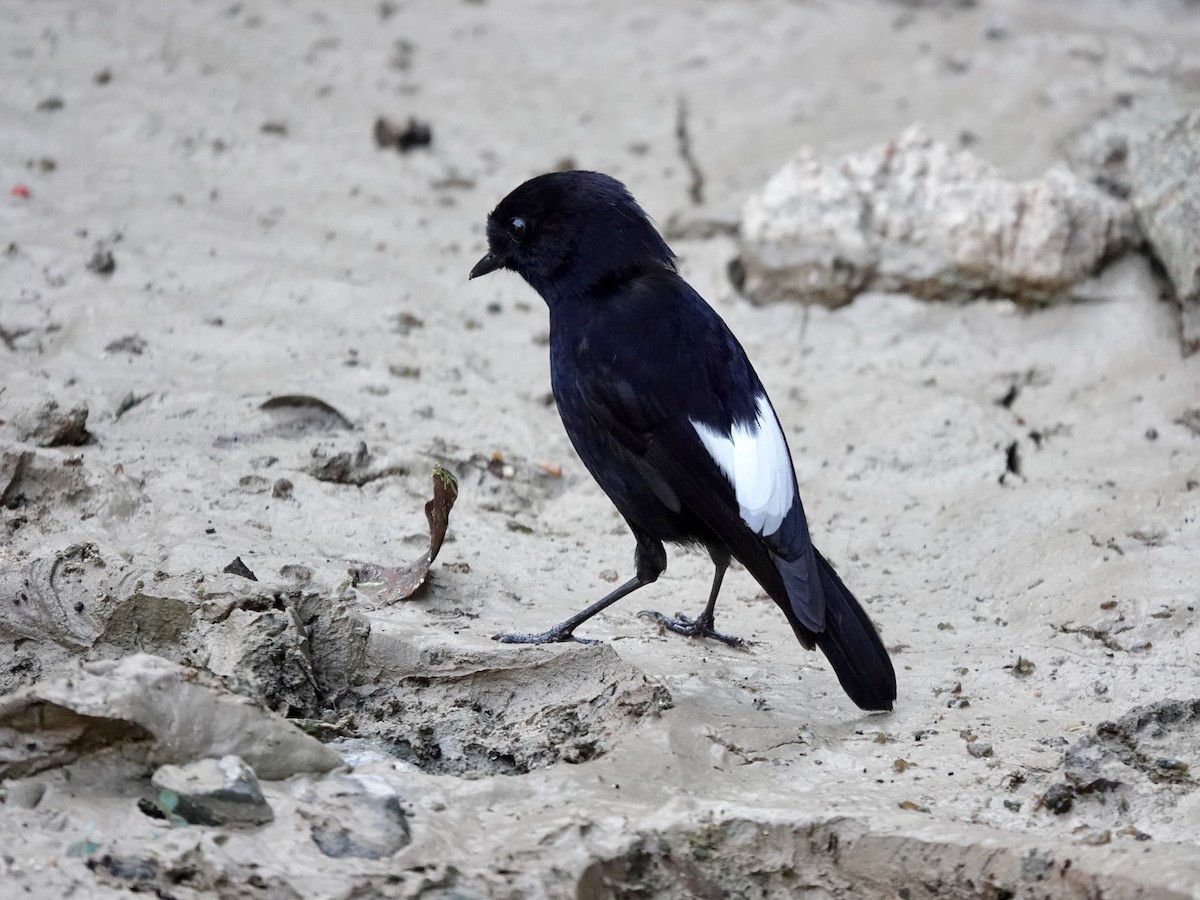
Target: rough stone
column 213, row 792
column 46, row 424
column 919, row 217
column 1166, row 196
column 979, row 749
column 356, row 815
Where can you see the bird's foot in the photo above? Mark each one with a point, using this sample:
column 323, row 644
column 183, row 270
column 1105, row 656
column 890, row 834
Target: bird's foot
column 556, row 635
column 701, row 627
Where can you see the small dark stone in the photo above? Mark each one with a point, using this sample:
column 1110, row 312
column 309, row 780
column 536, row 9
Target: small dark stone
column 736, row 271
column 1022, row 668
column 1097, row 786
column 1059, row 798
column 130, row 343
column 403, row 138
column 102, row 262
column 1012, row 458
column 1171, row 768
column 127, row 868
column 150, row 808
column 237, row 567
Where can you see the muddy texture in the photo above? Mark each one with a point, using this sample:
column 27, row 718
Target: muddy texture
column 267, row 319
column 453, row 710
column 155, row 710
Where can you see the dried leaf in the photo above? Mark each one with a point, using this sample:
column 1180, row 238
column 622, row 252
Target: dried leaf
column 391, row 584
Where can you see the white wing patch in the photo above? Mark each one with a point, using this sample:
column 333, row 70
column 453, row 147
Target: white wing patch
column 754, row 457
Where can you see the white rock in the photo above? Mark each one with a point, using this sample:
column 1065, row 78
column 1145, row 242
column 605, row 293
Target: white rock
column 919, row 217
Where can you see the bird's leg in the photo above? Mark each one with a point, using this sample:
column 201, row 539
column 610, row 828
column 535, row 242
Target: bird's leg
column 563, row 631
column 702, row 625
column 651, row 561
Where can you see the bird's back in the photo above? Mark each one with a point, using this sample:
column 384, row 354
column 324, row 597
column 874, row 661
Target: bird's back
column 629, row 363
column 634, row 369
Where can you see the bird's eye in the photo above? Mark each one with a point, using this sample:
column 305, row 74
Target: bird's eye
column 516, row 229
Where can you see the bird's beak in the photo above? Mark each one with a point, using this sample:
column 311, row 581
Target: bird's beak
column 489, row 263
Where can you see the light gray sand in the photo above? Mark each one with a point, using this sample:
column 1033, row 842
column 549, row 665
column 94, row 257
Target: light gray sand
column 254, row 264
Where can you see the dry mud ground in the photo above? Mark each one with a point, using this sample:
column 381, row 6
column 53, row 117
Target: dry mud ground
column 1043, row 620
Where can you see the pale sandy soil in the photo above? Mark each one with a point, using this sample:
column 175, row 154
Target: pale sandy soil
column 255, row 262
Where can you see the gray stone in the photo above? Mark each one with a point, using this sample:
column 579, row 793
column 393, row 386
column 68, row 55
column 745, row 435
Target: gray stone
column 356, row 815
column 212, row 792
column 1166, row 196
column 919, row 217
column 46, row 424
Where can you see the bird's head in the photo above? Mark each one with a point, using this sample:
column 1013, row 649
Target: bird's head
column 566, row 232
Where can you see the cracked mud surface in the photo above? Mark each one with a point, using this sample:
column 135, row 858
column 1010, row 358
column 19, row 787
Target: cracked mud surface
column 279, row 343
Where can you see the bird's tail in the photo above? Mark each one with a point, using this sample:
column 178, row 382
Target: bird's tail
column 852, row 645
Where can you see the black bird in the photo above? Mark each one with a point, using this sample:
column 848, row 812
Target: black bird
column 668, row 415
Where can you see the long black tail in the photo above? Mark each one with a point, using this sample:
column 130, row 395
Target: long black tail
column 853, row 646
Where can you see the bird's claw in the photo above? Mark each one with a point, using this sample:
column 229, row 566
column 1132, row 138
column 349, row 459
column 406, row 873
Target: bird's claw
column 700, row 627
column 553, row 636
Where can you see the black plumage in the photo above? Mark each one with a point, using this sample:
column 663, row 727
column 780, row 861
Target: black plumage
column 667, row 413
